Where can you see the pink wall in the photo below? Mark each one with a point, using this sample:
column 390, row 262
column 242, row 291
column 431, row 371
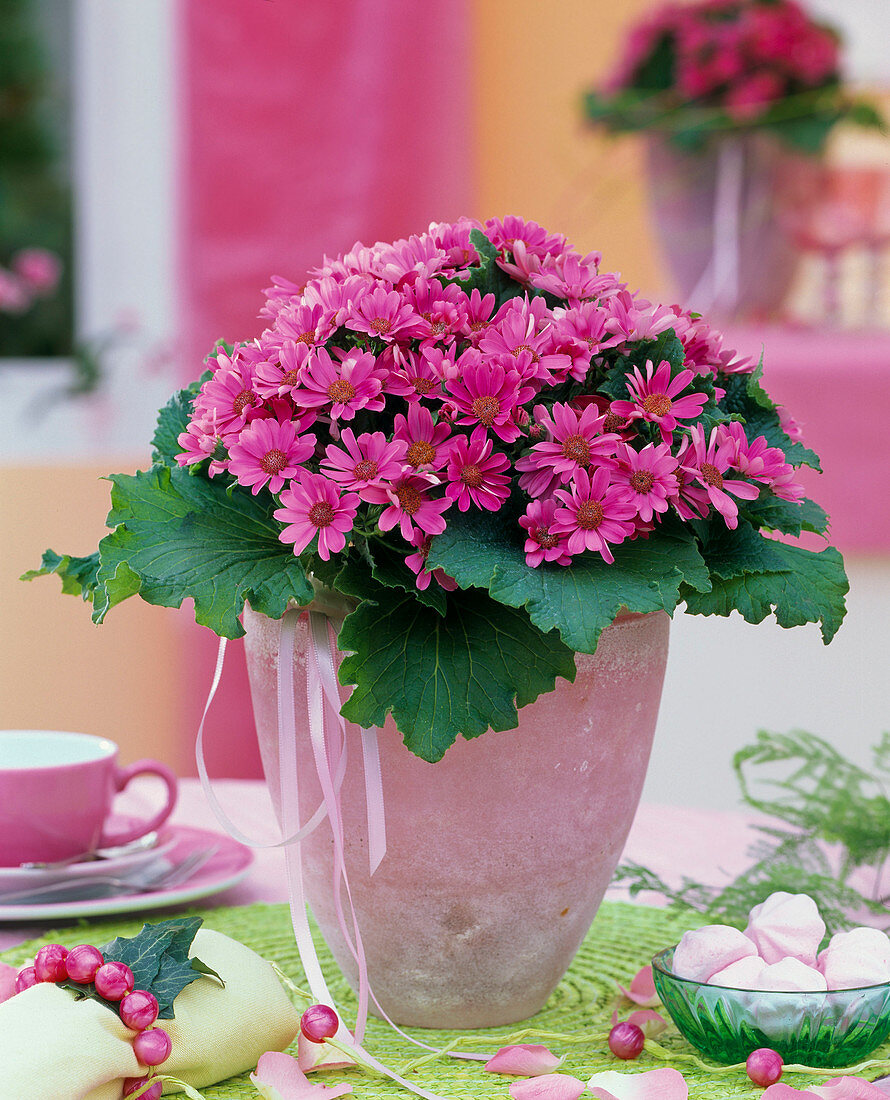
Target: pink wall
column 306, row 125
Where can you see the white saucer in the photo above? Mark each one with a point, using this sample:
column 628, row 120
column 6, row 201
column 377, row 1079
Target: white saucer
column 225, row 868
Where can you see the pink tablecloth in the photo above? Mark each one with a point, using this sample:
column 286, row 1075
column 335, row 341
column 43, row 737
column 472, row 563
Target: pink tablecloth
column 709, row 845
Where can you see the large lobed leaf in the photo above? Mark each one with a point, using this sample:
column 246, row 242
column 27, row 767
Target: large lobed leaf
column 179, row 536
column 444, row 676
column 581, row 599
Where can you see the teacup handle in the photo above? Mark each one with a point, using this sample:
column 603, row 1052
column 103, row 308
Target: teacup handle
column 122, row 777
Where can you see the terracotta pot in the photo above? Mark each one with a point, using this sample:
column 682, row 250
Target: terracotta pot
column 682, row 192
column 498, row 855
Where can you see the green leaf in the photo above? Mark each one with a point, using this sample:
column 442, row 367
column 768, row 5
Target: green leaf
column 746, row 398
column 159, row 959
column 758, row 576
column 179, row 536
column 444, row 676
column 173, row 420
column 580, row 599
column 784, row 515
column 388, row 568
column 78, row 575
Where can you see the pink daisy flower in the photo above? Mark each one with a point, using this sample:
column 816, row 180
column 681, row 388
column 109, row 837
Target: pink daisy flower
column 415, row 375
column 649, row 476
column 595, row 513
column 417, row 563
column 542, row 543
column 760, row 462
column 274, row 379
column 474, row 473
column 576, row 440
column 659, row 398
column 442, row 310
column 425, row 441
column 268, row 452
column 636, row 319
column 504, row 235
column 352, row 383
column 364, row 464
column 307, row 324
column 313, row 506
column 487, row 394
column 527, row 327
column 412, row 508
column 479, row 311
column 202, row 439
column 706, row 463
column 230, row 395
column 384, row 314
column 575, row 278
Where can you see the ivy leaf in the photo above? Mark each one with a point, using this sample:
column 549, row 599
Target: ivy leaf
column 78, row 575
column 758, row 576
column 444, row 676
column 180, row 536
column 159, row 959
column 580, row 599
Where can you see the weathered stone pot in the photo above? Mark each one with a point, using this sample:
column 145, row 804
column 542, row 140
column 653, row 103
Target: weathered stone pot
column 498, row 855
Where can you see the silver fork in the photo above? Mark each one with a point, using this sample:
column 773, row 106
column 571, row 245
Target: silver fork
column 88, row 887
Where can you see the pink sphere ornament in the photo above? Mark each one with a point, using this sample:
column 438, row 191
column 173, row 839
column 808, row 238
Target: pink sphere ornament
column 139, row 1010
column 82, row 963
column 114, row 980
column 152, row 1047
column 319, row 1022
column 626, row 1041
column 132, row 1084
column 764, row 1066
column 49, row 963
column 25, row 978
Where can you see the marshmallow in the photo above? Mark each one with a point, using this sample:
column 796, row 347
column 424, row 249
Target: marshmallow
column 786, row 925
column 793, row 976
column 857, row 958
column 703, row 951
column 743, row 974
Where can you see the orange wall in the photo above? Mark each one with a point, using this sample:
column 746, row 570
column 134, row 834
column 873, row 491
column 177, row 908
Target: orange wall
column 58, row 670
column 535, row 155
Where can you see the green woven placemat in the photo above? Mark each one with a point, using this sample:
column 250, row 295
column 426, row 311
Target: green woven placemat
column 623, row 938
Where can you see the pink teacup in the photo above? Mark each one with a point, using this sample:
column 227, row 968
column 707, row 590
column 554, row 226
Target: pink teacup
column 56, row 790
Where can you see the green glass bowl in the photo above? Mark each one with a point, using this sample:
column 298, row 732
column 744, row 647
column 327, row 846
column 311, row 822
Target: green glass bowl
column 837, row 1028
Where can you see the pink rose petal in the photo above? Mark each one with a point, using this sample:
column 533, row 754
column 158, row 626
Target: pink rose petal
column 314, row 1056
column 552, row 1086
column 654, row 1084
column 642, row 989
column 279, row 1077
column 524, row 1060
column 649, row 1022
column 786, row 1092
column 851, row 1088
column 7, row 982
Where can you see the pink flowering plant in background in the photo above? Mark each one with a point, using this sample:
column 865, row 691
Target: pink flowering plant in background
column 484, row 447
column 692, row 70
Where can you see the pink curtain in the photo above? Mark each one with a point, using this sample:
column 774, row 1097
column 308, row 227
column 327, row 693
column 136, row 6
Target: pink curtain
column 305, row 125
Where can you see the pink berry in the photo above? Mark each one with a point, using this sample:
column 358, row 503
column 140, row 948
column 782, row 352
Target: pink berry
column 131, row 1084
column 49, row 963
column 25, row 978
column 139, row 1010
column 764, row 1066
column 626, row 1041
column 82, row 963
column 114, row 980
column 153, row 1046
column 319, row 1022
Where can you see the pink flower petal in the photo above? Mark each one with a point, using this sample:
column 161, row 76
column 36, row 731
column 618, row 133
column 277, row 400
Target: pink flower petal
column 552, row 1086
column 786, row 1092
column 642, row 989
column 7, row 982
column 654, row 1084
column 851, row 1088
column 313, row 1056
column 524, row 1060
column 279, row 1077
column 650, row 1022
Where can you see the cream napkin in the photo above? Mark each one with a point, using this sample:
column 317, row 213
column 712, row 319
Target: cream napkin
column 55, row 1048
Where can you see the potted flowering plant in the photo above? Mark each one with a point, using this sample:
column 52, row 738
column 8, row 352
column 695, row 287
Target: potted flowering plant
column 737, row 99
column 485, row 455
